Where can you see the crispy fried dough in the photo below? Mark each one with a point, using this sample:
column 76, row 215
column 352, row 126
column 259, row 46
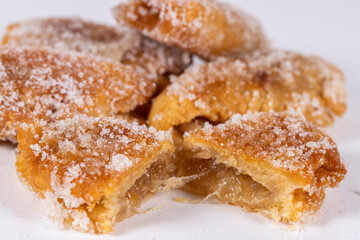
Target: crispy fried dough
column 204, row 27
column 45, row 84
column 272, row 163
column 268, row 82
column 91, row 171
column 116, row 43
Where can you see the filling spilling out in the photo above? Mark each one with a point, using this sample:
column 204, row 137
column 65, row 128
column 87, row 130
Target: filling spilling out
column 120, row 206
column 234, row 187
column 228, row 184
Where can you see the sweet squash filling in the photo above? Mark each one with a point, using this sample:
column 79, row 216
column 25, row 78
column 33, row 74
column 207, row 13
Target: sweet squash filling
column 228, row 184
column 120, row 206
column 234, row 187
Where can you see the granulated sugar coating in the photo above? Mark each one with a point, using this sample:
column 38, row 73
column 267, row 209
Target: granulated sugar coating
column 268, row 82
column 41, row 83
column 204, row 27
column 283, row 163
column 281, row 139
column 116, row 43
column 91, row 169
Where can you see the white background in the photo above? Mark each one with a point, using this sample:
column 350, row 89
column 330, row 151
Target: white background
column 327, row 28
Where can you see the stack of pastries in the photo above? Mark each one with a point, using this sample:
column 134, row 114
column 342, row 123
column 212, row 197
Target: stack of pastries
column 107, row 116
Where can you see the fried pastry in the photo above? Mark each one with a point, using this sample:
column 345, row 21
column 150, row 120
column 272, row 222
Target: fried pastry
column 45, row 84
column 119, row 44
column 273, row 163
column 93, row 172
column 204, row 27
column 275, row 81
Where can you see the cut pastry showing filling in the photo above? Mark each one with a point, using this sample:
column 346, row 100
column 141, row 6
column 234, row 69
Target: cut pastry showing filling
column 49, row 85
column 116, row 43
column 272, row 163
column 273, row 81
column 205, row 27
column 93, row 171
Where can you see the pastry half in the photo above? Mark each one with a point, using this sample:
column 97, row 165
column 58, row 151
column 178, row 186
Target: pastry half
column 47, row 84
column 93, row 172
column 274, row 81
column 205, row 27
column 272, row 163
column 116, row 43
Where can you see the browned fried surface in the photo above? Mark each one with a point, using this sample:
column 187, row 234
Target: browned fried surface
column 274, row 81
column 272, row 163
column 91, row 169
column 156, row 59
column 46, row 84
column 116, row 43
column 204, row 27
column 71, row 34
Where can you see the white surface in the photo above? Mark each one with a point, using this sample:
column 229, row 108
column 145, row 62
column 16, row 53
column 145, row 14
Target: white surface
column 323, row 27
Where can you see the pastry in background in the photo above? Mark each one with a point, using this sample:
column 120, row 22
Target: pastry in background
column 49, row 85
column 273, row 163
column 274, row 81
column 203, row 27
column 93, row 172
column 116, row 43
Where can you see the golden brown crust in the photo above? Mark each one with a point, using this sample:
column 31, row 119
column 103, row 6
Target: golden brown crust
column 86, row 166
column 204, row 27
column 275, row 141
column 71, row 34
column 273, row 81
column 119, row 44
column 39, row 83
column 291, row 159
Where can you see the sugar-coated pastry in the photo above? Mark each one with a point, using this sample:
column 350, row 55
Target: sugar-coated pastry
column 46, row 84
column 275, row 81
column 93, row 172
column 204, row 27
column 116, row 43
column 273, row 163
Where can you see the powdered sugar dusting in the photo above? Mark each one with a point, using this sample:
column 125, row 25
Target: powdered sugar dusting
column 83, row 158
column 120, row 162
column 174, row 23
column 74, row 34
column 62, row 188
column 274, row 81
column 40, row 83
column 56, row 211
column 281, row 139
column 113, row 42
